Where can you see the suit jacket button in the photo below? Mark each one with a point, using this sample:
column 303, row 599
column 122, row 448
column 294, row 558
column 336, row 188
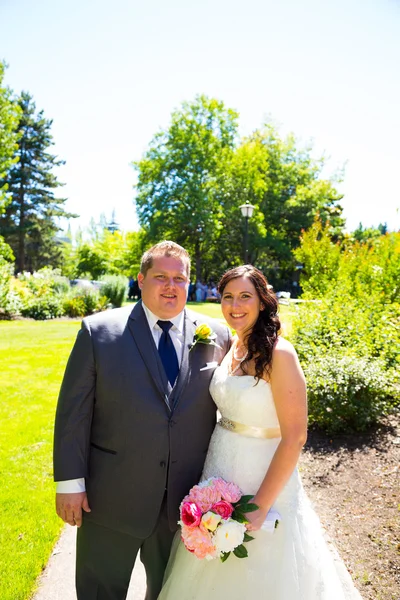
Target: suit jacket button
column 162, row 463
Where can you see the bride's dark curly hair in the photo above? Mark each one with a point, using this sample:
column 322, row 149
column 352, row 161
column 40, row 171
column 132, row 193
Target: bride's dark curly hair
column 264, row 334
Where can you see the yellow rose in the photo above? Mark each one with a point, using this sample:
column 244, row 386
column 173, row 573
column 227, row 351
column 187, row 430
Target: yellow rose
column 203, row 331
column 204, row 335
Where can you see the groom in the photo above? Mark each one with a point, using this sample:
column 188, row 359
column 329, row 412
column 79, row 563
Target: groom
column 133, row 423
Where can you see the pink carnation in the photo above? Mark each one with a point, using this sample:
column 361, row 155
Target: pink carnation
column 190, row 514
column 222, row 508
column 198, row 541
column 205, row 496
column 229, row 491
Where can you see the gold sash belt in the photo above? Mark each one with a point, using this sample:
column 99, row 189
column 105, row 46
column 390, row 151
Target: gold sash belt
column 248, row 430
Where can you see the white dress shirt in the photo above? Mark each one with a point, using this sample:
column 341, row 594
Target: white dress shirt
column 176, row 332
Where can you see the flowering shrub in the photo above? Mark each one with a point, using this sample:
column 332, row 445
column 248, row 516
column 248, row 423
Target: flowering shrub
column 41, row 293
column 45, row 294
column 81, row 302
column 10, row 302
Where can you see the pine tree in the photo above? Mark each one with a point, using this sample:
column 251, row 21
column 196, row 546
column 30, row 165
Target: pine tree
column 29, row 223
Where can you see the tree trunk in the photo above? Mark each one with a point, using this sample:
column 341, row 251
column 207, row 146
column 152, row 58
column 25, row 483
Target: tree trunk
column 198, row 261
column 21, row 233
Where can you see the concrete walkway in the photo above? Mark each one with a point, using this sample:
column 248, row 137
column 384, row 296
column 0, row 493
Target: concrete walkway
column 58, row 579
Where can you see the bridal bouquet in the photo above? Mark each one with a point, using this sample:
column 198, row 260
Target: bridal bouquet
column 213, row 519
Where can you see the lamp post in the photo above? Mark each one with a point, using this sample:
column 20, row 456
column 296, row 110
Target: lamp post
column 247, row 212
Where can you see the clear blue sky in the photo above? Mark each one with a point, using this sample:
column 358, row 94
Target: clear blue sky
column 109, row 74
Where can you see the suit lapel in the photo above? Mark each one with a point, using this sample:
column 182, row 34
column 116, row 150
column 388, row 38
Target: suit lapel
column 189, row 330
column 144, row 341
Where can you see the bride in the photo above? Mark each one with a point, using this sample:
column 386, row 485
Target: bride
column 260, row 391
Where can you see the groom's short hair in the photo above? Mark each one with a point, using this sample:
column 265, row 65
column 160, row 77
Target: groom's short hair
column 166, row 248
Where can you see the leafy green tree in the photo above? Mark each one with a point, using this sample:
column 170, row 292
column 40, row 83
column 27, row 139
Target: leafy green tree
column 6, row 253
column 363, row 234
column 29, row 222
column 106, row 252
column 9, row 116
column 91, row 262
column 368, row 271
column 123, row 251
column 283, row 183
column 178, row 174
column 357, row 296
column 288, row 192
column 372, row 269
column 320, row 258
column 195, row 176
column 241, row 179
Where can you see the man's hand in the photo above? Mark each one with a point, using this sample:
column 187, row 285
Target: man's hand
column 69, row 507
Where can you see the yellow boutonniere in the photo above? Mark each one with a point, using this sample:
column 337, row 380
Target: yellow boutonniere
column 204, row 335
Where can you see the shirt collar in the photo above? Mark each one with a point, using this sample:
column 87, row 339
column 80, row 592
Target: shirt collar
column 152, row 319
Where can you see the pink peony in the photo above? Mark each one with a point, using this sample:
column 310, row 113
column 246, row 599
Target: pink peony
column 222, row 508
column 198, row 541
column 205, row 496
column 190, row 514
column 229, row 491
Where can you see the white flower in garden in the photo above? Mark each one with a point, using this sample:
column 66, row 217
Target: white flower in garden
column 229, row 535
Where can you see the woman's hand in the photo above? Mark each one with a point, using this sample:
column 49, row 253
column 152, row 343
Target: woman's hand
column 256, row 518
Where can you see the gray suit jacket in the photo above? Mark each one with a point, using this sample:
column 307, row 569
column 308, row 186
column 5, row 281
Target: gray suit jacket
column 119, row 424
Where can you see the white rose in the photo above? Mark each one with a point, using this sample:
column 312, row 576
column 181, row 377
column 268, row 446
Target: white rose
column 229, row 535
column 210, row 520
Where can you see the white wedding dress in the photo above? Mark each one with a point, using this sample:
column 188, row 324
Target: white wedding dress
column 292, row 563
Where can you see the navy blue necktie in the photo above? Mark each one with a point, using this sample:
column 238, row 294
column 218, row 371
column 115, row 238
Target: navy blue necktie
column 167, row 352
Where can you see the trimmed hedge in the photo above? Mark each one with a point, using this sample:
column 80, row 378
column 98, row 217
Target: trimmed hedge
column 347, row 393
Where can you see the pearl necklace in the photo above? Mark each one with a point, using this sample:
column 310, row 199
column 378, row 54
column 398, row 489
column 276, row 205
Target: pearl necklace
column 236, row 357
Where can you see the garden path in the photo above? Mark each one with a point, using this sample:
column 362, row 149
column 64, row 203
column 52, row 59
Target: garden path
column 57, row 580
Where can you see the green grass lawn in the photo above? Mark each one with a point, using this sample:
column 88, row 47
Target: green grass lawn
column 33, row 355
column 32, row 358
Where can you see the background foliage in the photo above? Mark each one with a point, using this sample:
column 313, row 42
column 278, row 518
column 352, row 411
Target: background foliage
column 29, row 221
column 196, row 174
column 191, row 181
column 9, row 118
column 348, row 329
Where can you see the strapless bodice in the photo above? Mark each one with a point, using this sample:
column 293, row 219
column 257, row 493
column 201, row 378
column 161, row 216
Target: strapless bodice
column 241, row 457
column 242, row 399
